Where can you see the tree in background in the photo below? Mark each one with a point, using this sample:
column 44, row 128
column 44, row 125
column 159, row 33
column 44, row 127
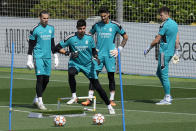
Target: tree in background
column 182, row 11
column 73, row 9
column 16, row 8
column 144, row 11
column 66, row 9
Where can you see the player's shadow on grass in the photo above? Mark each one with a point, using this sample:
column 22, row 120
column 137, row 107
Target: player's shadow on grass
column 146, row 101
column 31, row 106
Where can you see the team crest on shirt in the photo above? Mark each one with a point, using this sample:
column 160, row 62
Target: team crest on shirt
column 86, row 42
column 50, row 31
column 110, row 29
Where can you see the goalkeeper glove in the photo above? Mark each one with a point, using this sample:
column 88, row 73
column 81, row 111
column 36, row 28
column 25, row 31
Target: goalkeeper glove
column 175, row 58
column 30, row 64
column 147, row 50
column 74, row 54
column 97, row 60
column 115, row 51
column 56, row 60
column 67, row 53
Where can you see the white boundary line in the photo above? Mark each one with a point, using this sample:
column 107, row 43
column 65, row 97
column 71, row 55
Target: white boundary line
column 175, row 99
column 103, row 83
column 143, row 111
column 4, row 106
column 22, row 111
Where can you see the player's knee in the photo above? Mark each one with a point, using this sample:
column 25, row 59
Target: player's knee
column 91, row 87
column 46, row 79
column 111, row 77
column 94, row 82
column 72, row 71
column 39, row 78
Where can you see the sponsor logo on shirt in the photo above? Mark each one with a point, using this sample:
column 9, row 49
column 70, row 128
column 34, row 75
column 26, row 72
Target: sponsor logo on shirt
column 46, row 37
column 105, row 35
column 81, row 48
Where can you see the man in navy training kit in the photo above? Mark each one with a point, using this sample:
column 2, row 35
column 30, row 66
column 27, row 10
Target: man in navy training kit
column 169, row 43
column 83, row 59
column 41, row 43
column 106, row 31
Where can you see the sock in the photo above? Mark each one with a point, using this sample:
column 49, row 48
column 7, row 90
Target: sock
column 168, row 97
column 90, row 94
column 112, row 93
column 40, row 100
column 110, row 106
column 35, row 99
column 74, row 95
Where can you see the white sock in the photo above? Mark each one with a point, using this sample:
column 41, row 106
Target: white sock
column 167, row 95
column 90, row 94
column 40, row 100
column 110, row 106
column 112, row 93
column 35, row 99
column 74, row 95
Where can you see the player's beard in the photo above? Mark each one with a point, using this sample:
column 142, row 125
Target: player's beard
column 81, row 34
column 44, row 24
column 105, row 21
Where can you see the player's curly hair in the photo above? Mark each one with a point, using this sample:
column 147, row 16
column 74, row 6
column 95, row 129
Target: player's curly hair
column 164, row 9
column 81, row 22
column 103, row 9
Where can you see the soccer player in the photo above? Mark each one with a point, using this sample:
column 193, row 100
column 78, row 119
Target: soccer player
column 41, row 43
column 106, row 31
column 169, row 41
column 82, row 59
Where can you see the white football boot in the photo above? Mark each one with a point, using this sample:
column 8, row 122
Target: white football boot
column 41, row 106
column 111, row 110
column 166, row 100
column 73, row 100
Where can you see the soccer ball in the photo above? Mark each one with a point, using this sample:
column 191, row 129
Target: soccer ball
column 98, row 119
column 59, row 120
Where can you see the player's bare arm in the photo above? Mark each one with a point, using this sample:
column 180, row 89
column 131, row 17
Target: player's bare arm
column 156, row 40
column 124, row 41
column 177, row 42
column 153, row 43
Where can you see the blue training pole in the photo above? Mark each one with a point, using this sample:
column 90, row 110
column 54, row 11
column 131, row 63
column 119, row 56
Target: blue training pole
column 121, row 90
column 11, row 85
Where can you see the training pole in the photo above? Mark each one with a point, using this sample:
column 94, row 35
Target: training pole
column 121, row 90
column 11, row 85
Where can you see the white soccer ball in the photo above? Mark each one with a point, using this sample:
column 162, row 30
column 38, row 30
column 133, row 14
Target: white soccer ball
column 98, row 119
column 59, row 120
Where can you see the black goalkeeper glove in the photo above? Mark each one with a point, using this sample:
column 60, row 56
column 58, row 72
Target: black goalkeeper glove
column 74, row 54
column 67, row 53
column 97, row 60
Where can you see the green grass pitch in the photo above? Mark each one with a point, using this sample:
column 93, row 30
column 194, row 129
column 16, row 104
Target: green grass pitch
column 140, row 95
